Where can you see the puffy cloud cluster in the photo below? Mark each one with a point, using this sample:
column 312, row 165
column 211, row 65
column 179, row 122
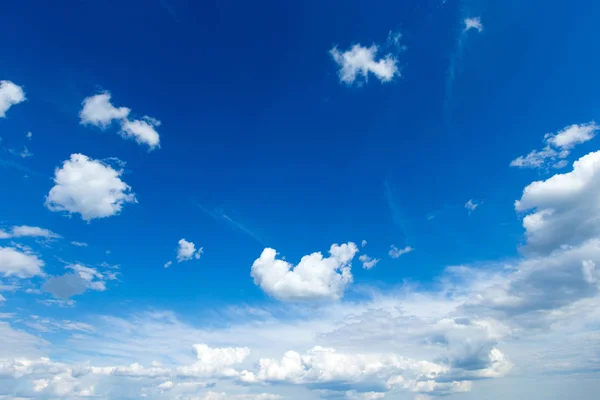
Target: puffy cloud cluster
column 187, row 251
column 99, row 111
column 396, row 252
column 88, row 187
column 558, row 147
column 360, row 61
column 10, row 94
column 314, row 278
column 565, row 208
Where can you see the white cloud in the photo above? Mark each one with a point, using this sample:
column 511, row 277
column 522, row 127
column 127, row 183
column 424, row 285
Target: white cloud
column 29, row 135
column 314, row 278
column 588, row 268
column 97, row 110
column 473, row 23
column 395, row 252
column 572, row 135
column 19, row 264
column 142, row 130
column 367, row 261
column 564, row 208
column 471, row 205
column 30, row 231
column 558, row 147
column 187, row 250
column 79, row 244
column 10, row 94
column 363, row 243
column 88, row 187
column 359, row 61
column 168, row 264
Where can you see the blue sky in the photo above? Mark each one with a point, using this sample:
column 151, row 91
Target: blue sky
column 299, row 200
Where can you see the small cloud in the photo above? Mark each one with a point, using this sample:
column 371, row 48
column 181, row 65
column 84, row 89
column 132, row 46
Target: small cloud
column 10, row 94
column 471, row 205
column 367, row 261
column 187, row 250
column 473, row 23
column 363, row 243
column 168, row 264
column 79, row 244
column 361, row 61
column 396, row 252
column 29, row 135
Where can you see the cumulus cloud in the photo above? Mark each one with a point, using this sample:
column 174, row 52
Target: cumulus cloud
column 314, row 278
column 10, row 94
column 142, row 130
column 395, row 252
column 367, row 261
column 98, row 111
column 187, row 251
column 14, row 262
column 88, row 187
column 565, row 209
column 557, row 147
column 360, row 61
column 473, row 23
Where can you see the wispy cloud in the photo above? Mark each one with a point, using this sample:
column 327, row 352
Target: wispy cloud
column 219, row 215
column 397, row 216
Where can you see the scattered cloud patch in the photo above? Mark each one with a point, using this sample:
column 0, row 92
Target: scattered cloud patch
column 29, row 135
column 79, row 244
column 363, row 243
column 76, row 282
column 395, row 252
column 473, row 23
column 98, row 111
column 187, row 251
column 88, row 187
column 314, row 278
column 142, row 130
column 10, row 95
column 558, row 147
column 367, row 261
column 359, row 62
column 20, row 264
column 471, row 205
column 28, row 231
column 168, row 264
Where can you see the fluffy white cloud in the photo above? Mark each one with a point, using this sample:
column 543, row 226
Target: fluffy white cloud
column 566, row 207
column 359, row 61
column 558, row 147
column 98, row 110
column 88, row 187
column 142, row 130
column 186, row 251
column 367, row 261
column 473, row 23
column 10, row 94
column 395, row 252
column 14, row 262
column 314, row 278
